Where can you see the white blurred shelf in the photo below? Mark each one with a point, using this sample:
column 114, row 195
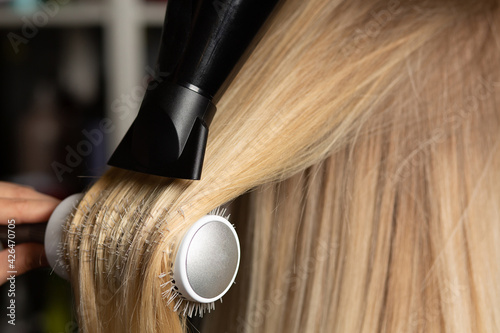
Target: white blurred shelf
column 78, row 14
column 153, row 13
column 81, row 15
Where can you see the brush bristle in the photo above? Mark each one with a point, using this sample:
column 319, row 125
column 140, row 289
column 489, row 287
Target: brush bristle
column 171, row 294
column 182, row 305
column 118, row 248
column 220, row 211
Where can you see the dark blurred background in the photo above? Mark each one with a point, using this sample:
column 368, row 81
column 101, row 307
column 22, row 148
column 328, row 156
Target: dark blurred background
column 72, row 76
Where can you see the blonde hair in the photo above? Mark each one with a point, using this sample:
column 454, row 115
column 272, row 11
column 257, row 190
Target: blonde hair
column 371, row 130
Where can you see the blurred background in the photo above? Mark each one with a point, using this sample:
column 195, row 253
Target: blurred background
column 72, row 77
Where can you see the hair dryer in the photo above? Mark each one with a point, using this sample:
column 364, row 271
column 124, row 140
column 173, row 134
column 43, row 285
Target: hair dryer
column 203, row 45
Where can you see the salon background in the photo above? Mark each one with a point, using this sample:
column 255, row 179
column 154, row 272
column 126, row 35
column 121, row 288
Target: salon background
column 72, row 75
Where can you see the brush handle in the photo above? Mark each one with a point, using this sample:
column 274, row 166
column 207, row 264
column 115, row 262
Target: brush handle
column 24, row 233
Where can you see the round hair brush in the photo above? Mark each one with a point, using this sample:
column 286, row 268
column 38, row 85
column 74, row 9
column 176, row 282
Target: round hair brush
column 204, row 268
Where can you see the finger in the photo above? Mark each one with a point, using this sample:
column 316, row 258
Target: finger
column 28, row 256
column 26, row 210
column 10, row 190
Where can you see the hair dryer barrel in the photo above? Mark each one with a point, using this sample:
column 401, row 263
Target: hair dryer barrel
column 203, row 41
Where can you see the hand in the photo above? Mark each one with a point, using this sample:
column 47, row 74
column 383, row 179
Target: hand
column 24, row 205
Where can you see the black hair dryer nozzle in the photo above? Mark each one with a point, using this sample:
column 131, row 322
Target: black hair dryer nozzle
column 203, row 45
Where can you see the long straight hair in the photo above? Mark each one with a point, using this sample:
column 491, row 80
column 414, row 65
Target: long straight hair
column 369, row 131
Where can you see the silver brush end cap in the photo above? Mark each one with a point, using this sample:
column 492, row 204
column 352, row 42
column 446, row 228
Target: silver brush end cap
column 207, row 260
